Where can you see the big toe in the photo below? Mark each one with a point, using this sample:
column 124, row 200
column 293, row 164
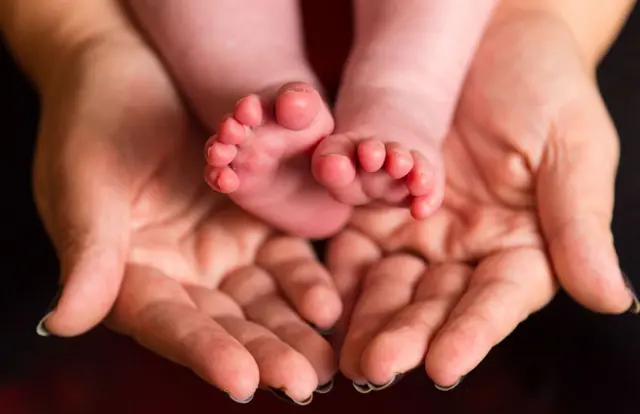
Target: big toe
column 297, row 105
column 332, row 163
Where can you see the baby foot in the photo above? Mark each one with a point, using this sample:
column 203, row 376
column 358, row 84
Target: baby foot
column 260, row 157
column 366, row 165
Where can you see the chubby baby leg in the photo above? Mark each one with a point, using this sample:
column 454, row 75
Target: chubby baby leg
column 397, row 98
column 243, row 62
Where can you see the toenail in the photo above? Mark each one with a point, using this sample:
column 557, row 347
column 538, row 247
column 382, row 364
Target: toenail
column 450, row 387
column 41, row 329
column 240, row 401
column 297, row 89
column 280, row 394
column 325, row 388
column 394, row 380
column 362, row 388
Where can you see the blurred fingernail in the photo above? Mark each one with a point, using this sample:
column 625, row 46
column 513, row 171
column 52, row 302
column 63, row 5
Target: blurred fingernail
column 394, row 380
column 323, row 332
column 284, row 397
column 450, row 387
column 41, row 329
column 239, row 401
column 325, row 388
column 635, row 304
column 362, row 388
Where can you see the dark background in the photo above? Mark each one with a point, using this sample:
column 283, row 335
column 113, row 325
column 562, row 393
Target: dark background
column 563, row 355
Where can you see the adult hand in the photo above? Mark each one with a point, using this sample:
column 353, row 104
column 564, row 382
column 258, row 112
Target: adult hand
column 118, row 182
column 531, row 162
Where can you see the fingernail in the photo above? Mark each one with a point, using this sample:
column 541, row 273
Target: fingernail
column 394, row 380
column 239, row 401
column 41, row 329
column 450, row 387
column 362, row 388
column 323, row 332
column 325, row 388
column 635, row 304
column 284, row 397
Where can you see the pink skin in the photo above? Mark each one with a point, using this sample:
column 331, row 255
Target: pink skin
column 406, row 175
column 260, row 158
column 396, row 101
column 261, row 153
column 264, row 155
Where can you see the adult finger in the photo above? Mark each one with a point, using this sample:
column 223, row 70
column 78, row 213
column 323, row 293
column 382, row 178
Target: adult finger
column 160, row 314
column 303, row 359
column 281, row 367
column 386, row 289
column 349, row 257
column 402, row 344
column 504, row 290
column 302, row 279
column 575, row 190
column 80, row 194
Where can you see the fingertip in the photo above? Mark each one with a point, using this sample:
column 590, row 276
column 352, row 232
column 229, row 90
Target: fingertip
column 76, row 314
column 232, row 368
column 321, row 306
column 385, row 357
column 241, row 378
column 588, row 270
column 92, row 281
column 453, row 354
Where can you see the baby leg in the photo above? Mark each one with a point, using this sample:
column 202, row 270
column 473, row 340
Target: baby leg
column 246, row 59
column 397, row 98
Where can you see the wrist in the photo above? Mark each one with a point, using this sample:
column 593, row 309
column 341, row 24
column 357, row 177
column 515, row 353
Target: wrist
column 594, row 24
column 45, row 35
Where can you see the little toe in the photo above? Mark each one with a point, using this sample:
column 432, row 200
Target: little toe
column 332, row 162
column 249, row 111
column 399, row 161
column 422, row 207
column 223, row 180
column 371, row 155
column 232, row 132
column 421, row 178
column 297, row 105
column 219, row 154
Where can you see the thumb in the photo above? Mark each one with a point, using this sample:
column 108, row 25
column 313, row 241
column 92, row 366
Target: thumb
column 575, row 193
column 85, row 209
